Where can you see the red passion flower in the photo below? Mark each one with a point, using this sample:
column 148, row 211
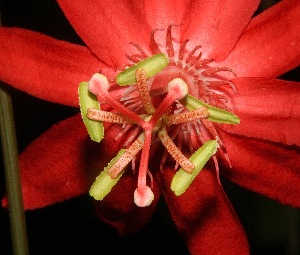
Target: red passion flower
column 173, row 94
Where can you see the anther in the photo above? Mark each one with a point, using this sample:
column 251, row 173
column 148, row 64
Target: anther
column 199, row 113
column 99, row 85
column 111, row 117
column 182, row 180
column 144, row 91
column 126, row 157
column 187, row 165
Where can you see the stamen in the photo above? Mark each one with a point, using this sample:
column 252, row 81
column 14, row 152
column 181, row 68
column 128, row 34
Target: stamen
column 182, row 180
column 215, row 114
column 174, row 151
column 199, row 113
column 144, row 91
column 126, row 157
column 111, row 117
column 98, row 85
column 104, row 183
column 165, row 155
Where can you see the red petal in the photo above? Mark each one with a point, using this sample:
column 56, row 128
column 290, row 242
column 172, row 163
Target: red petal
column 60, row 164
column 264, row 167
column 217, row 25
column 119, row 210
column 161, row 14
column 271, row 44
column 268, row 109
column 205, row 217
column 107, row 27
column 44, row 67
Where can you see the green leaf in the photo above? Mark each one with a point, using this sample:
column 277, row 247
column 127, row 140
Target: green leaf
column 104, row 183
column 88, row 100
column 182, row 180
column 152, row 65
column 215, row 114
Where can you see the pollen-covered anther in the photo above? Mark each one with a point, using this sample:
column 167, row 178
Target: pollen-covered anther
column 143, row 90
column 111, row 117
column 185, row 163
column 199, row 113
column 182, row 180
column 99, row 86
column 128, row 155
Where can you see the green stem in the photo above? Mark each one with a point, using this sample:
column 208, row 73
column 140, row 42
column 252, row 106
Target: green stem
column 12, row 176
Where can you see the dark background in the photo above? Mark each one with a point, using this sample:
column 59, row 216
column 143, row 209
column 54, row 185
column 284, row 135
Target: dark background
column 72, row 227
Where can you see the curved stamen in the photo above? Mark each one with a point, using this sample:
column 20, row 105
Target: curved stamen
column 199, row 113
column 144, row 91
column 128, row 155
column 111, row 117
column 182, row 180
column 187, row 165
column 98, row 85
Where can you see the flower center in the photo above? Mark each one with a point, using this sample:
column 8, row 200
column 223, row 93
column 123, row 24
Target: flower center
column 162, row 104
